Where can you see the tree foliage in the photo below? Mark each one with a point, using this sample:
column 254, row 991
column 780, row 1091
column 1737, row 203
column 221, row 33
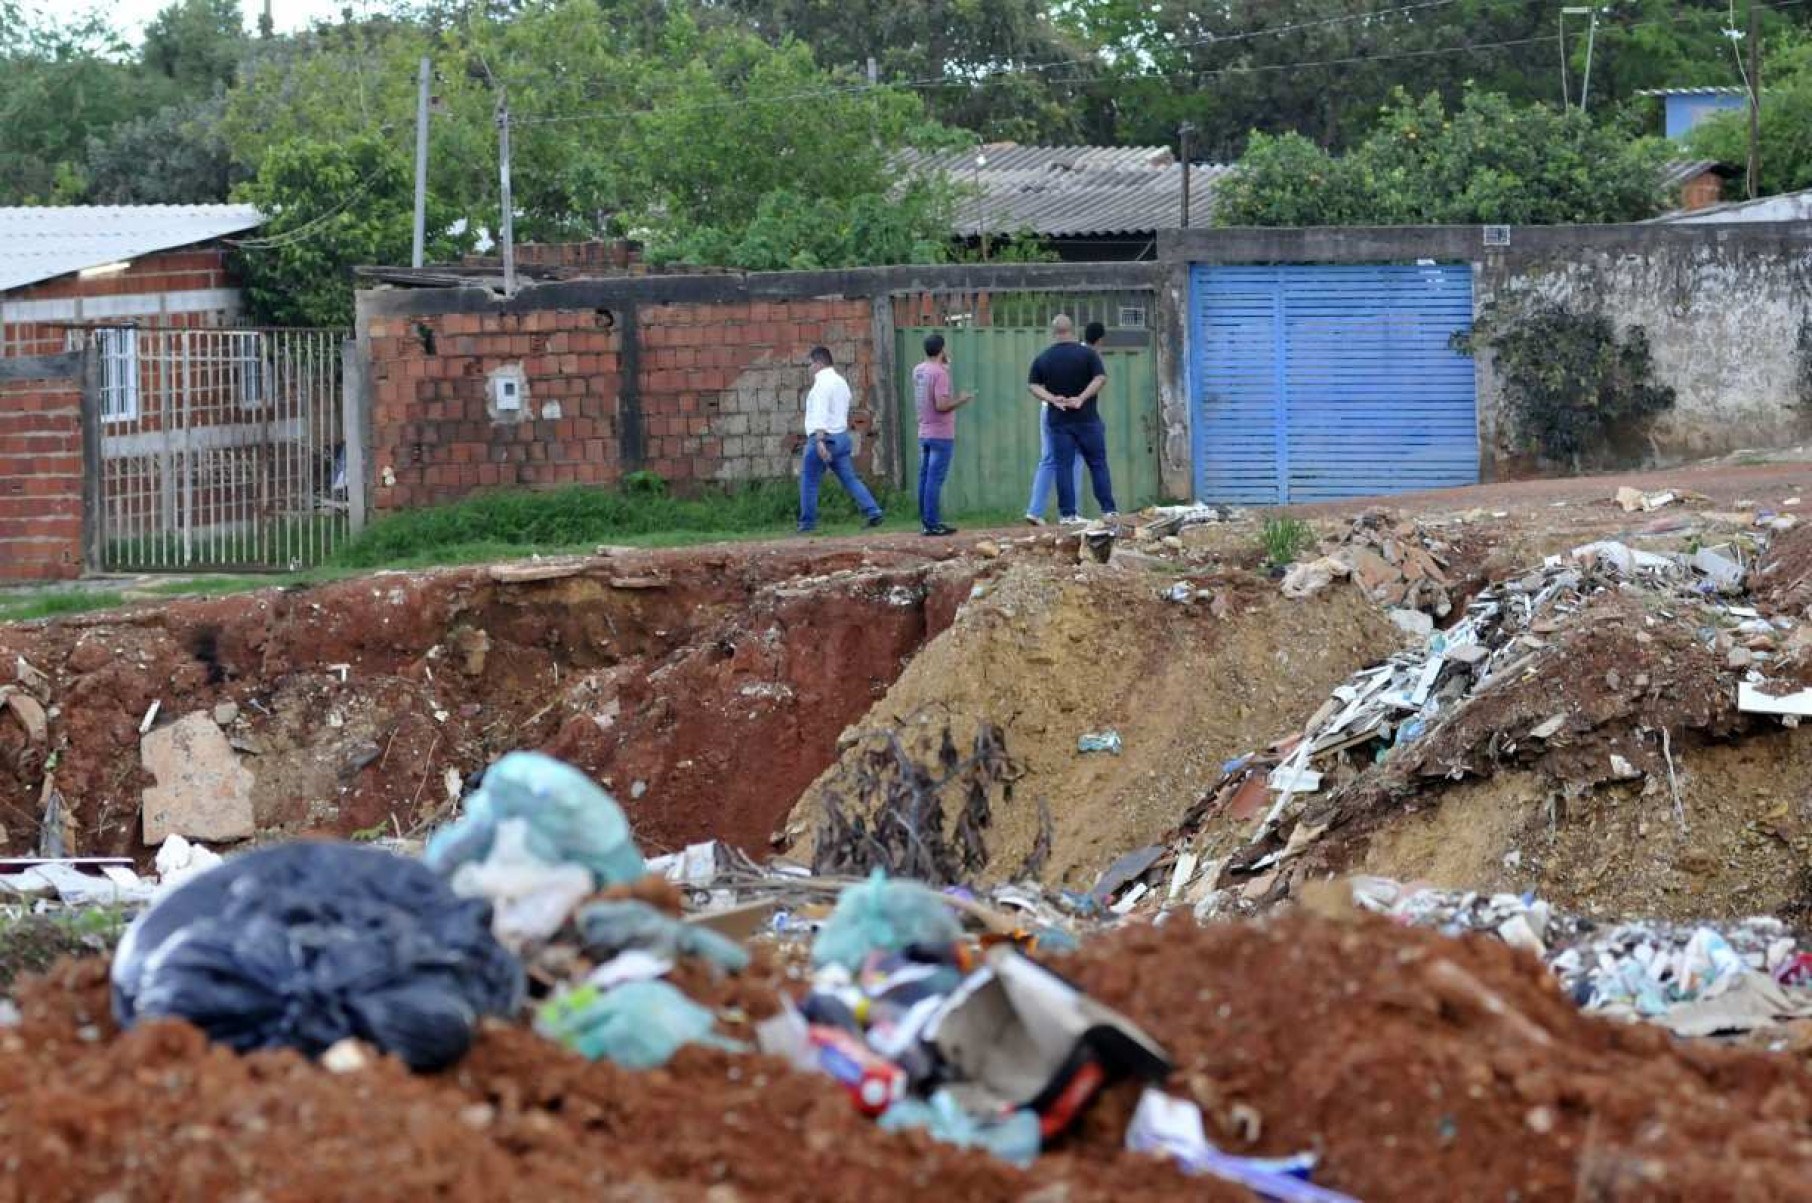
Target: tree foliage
column 1786, row 124
column 176, row 156
column 1490, row 161
column 330, row 206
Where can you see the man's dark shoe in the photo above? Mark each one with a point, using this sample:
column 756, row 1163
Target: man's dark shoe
column 939, row 530
column 875, row 520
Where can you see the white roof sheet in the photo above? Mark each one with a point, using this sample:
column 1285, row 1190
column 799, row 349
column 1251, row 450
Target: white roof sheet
column 43, row 243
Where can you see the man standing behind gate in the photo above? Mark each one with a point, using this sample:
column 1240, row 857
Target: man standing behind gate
column 937, row 408
column 827, row 444
column 1068, row 377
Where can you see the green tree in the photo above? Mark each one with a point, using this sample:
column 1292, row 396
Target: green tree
column 1002, row 68
column 1490, row 161
column 196, row 43
column 330, row 207
column 1786, row 124
column 62, row 84
column 173, row 157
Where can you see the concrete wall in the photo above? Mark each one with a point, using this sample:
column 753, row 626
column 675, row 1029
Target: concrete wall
column 1722, row 306
column 41, row 468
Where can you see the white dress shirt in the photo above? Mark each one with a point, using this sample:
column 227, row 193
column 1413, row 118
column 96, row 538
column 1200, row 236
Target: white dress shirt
column 827, row 405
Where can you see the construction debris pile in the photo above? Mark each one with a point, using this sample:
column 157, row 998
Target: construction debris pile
column 1694, row 979
column 1287, row 794
column 1400, row 565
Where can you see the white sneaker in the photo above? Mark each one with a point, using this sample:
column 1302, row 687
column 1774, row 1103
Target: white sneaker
column 1034, row 520
column 1073, row 520
column 1110, row 516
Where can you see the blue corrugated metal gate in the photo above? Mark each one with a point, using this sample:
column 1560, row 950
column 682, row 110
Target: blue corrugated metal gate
column 1317, row 383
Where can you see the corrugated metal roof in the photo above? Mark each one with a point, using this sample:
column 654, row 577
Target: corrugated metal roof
column 1788, row 206
column 39, row 244
column 1676, row 173
column 1073, row 191
column 1706, row 91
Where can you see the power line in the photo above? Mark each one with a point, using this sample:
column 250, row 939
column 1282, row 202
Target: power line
column 944, row 81
column 1197, row 74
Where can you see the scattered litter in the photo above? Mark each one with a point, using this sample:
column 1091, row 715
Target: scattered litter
column 178, row 860
column 144, row 724
column 1014, row 1137
column 1173, row 1128
column 1100, row 741
column 638, row 1025
column 883, row 915
column 570, row 820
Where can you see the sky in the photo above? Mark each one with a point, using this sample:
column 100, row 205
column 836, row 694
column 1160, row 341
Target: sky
column 130, row 16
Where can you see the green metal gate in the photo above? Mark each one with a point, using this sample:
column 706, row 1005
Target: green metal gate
column 997, row 436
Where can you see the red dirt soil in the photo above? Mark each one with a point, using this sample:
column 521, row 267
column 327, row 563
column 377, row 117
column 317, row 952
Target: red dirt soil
column 1418, row 1067
column 707, row 686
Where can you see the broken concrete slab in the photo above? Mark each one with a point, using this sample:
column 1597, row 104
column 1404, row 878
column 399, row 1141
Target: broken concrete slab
column 1751, row 700
column 28, row 710
column 202, row 790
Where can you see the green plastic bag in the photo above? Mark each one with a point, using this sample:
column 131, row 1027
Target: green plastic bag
column 882, row 915
column 571, row 820
column 638, row 1025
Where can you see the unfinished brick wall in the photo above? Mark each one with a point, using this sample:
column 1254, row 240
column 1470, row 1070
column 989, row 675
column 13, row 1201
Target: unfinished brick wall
column 179, row 273
column 435, row 433
column 723, row 386
column 703, row 393
column 40, row 479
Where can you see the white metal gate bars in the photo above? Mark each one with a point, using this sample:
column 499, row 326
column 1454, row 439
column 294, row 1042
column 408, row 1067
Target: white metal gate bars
column 220, row 448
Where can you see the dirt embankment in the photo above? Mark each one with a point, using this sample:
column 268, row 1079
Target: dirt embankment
column 1047, row 657
column 707, row 686
column 1418, row 1068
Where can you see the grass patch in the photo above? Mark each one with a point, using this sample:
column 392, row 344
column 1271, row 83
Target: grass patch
column 499, row 525
column 27, row 604
column 1284, row 539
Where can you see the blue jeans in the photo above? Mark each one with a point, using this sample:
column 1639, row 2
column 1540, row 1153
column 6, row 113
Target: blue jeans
column 1089, row 440
column 934, row 466
column 1045, row 478
column 811, row 472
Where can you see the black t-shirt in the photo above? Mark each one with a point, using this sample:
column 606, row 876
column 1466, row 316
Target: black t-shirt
column 1065, row 369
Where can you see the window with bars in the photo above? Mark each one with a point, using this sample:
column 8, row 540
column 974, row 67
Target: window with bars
column 244, row 354
column 118, row 351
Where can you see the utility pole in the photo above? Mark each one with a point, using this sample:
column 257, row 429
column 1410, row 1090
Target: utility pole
column 874, row 119
column 509, row 206
column 1585, row 89
column 981, row 221
column 1755, row 104
column 417, row 248
column 1183, row 133
column 266, row 25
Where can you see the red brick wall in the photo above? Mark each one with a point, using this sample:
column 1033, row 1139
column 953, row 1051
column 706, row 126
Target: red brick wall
column 185, row 270
column 723, row 385
column 40, row 479
column 715, row 396
column 1704, row 189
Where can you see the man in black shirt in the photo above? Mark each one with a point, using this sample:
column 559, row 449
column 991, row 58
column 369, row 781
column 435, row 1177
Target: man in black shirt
column 1068, row 377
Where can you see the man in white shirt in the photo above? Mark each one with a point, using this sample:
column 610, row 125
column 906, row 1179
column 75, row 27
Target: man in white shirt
column 827, row 445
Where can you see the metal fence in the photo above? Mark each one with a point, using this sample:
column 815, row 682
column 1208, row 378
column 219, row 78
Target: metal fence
column 220, row 448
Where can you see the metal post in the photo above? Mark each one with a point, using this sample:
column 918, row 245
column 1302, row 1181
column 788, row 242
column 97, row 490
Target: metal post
column 509, row 217
column 1585, row 89
column 1755, row 104
column 1183, row 133
column 1566, row 88
column 417, row 248
column 981, row 223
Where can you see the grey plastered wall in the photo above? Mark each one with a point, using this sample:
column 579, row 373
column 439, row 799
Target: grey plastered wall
column 1722, row 307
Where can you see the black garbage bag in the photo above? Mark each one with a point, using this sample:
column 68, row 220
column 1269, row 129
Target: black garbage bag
column 303, row 945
